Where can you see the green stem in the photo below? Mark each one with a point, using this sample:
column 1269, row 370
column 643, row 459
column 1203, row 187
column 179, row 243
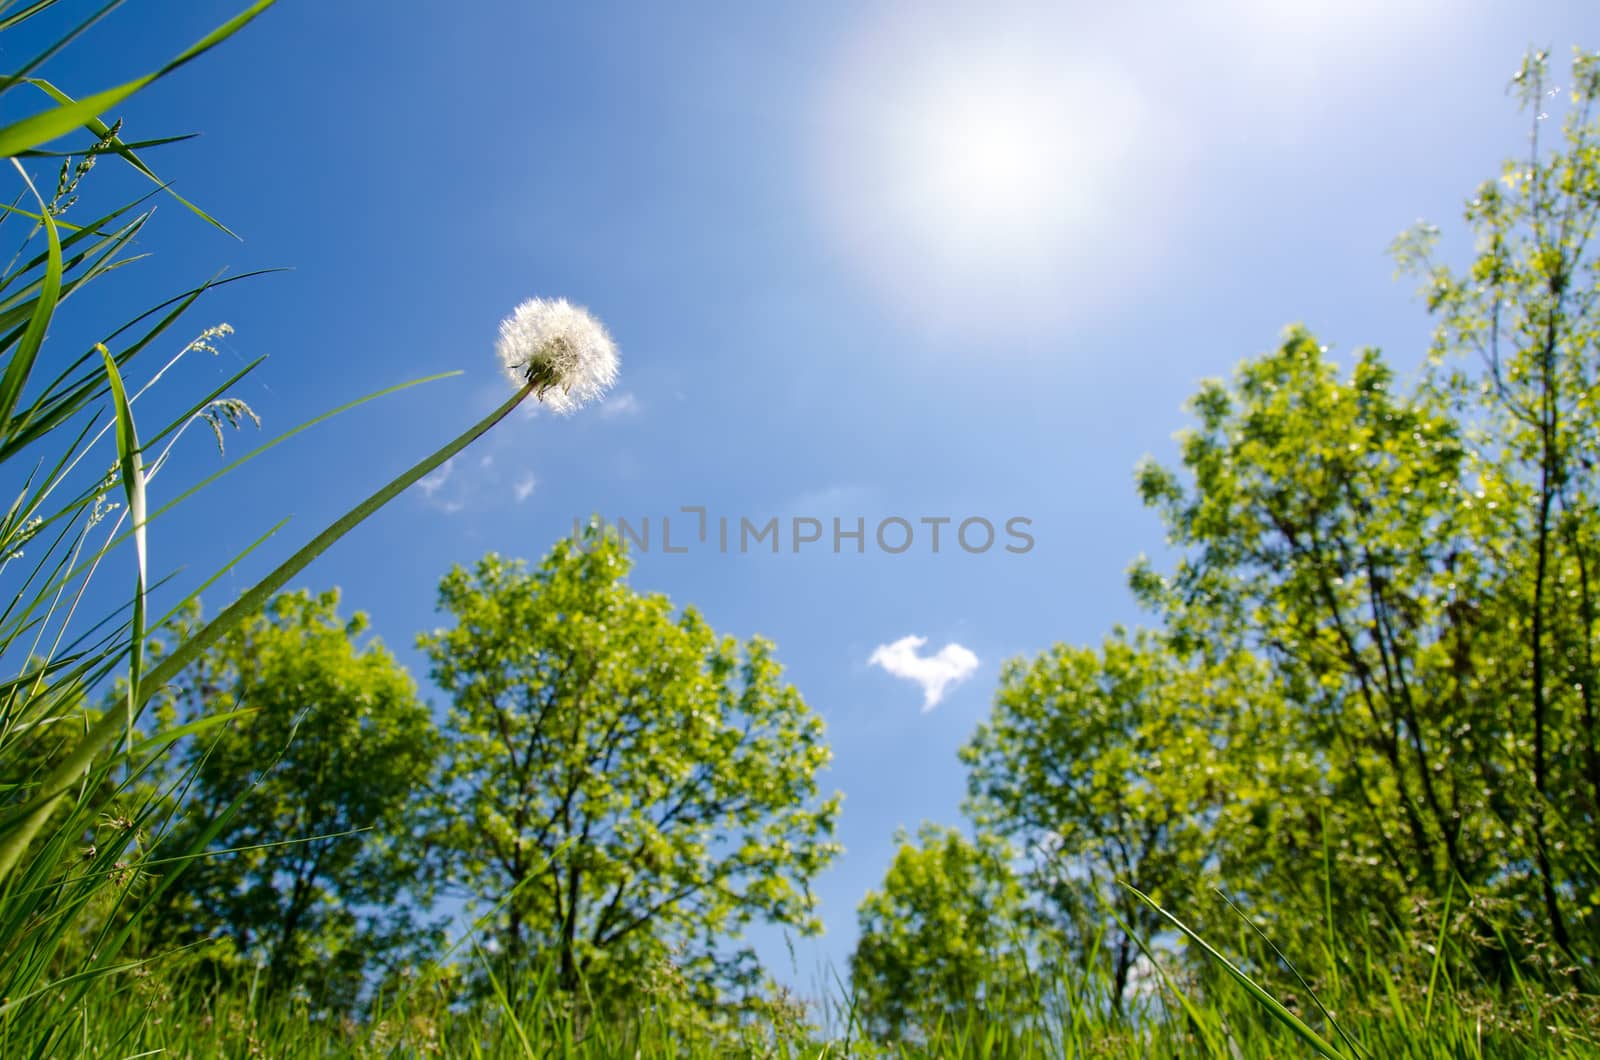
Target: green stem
column 23, row 824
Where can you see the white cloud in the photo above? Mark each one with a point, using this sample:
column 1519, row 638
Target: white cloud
column 623, row 404
column 431, row 484
column 474, row 485
column 950, row 665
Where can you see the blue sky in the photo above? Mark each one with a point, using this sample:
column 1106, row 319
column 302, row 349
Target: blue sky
column 860, row 260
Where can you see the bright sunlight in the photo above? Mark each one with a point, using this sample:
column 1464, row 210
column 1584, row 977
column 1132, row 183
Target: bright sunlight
column 956, row 161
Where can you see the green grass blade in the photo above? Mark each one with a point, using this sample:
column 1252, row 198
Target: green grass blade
column 62, row 400
column 23, row 824
column 103, row 263
column 93, row 230
column 85, row 566
column 506, row 1007
column 27, row 350
column 1266, row 1000
column 286, row 435
column 1438, row 953
column 137, row 145
column 1284, row 960
column 1197, row 1018
column 101, row 131
column 199, row 406
column 131, row 462
column 8, row 80
column 26, row 13
column 224, row 569
column 41, row 128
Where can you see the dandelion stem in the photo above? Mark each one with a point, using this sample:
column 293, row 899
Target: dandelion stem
column 23, row 824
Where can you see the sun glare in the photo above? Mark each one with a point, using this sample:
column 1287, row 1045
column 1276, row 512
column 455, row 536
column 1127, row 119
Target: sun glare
column 957, row 166
column 989, row 163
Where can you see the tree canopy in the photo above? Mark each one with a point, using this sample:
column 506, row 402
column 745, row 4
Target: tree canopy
column 304, row 806
column 946, row 937
column 631, row 787
column 1366, row 702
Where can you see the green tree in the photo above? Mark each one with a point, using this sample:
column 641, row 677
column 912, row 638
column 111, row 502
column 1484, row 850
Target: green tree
column 314, row 866
column 1107, row 766
column 1417, row 567
column 946, row 939
column 636, row 787
column 1526, row 317
column 1321, row 535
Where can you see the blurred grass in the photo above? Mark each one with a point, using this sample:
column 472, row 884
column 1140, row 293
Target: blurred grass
column 1381, row 1015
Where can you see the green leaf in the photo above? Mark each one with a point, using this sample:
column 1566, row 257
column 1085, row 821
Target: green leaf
column 131, row 461
column 22, row 358
column 41, row 128
column 1266, row 1000
column 101, row 130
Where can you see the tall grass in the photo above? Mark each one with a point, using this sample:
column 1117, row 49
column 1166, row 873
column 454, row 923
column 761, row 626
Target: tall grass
column 1383, row 1009
column 79, row 460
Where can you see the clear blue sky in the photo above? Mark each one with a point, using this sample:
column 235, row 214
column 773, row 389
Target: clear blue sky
column 860, row 260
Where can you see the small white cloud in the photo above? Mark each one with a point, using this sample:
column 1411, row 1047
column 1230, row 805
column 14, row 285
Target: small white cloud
column 431, row 484
column 623, row 404
column 950, row 665
column 475, row 484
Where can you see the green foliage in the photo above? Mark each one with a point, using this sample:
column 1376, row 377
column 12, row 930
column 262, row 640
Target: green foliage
column 1324, row 537
column 633, row 786
column 1107, row 766
column 947, row 937
column 1368, row 710
column 1527, row 313
column 1418, row 569
column 314, row 785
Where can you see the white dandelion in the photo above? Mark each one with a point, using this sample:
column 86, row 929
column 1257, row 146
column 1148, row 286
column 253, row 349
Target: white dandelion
column 559, row 348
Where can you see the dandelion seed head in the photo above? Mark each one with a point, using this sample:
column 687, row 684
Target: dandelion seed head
column 559, row 348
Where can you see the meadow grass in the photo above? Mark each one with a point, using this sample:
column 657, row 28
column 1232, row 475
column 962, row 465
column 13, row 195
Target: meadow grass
column 1379, row 1014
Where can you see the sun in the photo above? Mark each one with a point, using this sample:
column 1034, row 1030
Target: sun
column 960, row 163
column 994, row 164
column 984, row 159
